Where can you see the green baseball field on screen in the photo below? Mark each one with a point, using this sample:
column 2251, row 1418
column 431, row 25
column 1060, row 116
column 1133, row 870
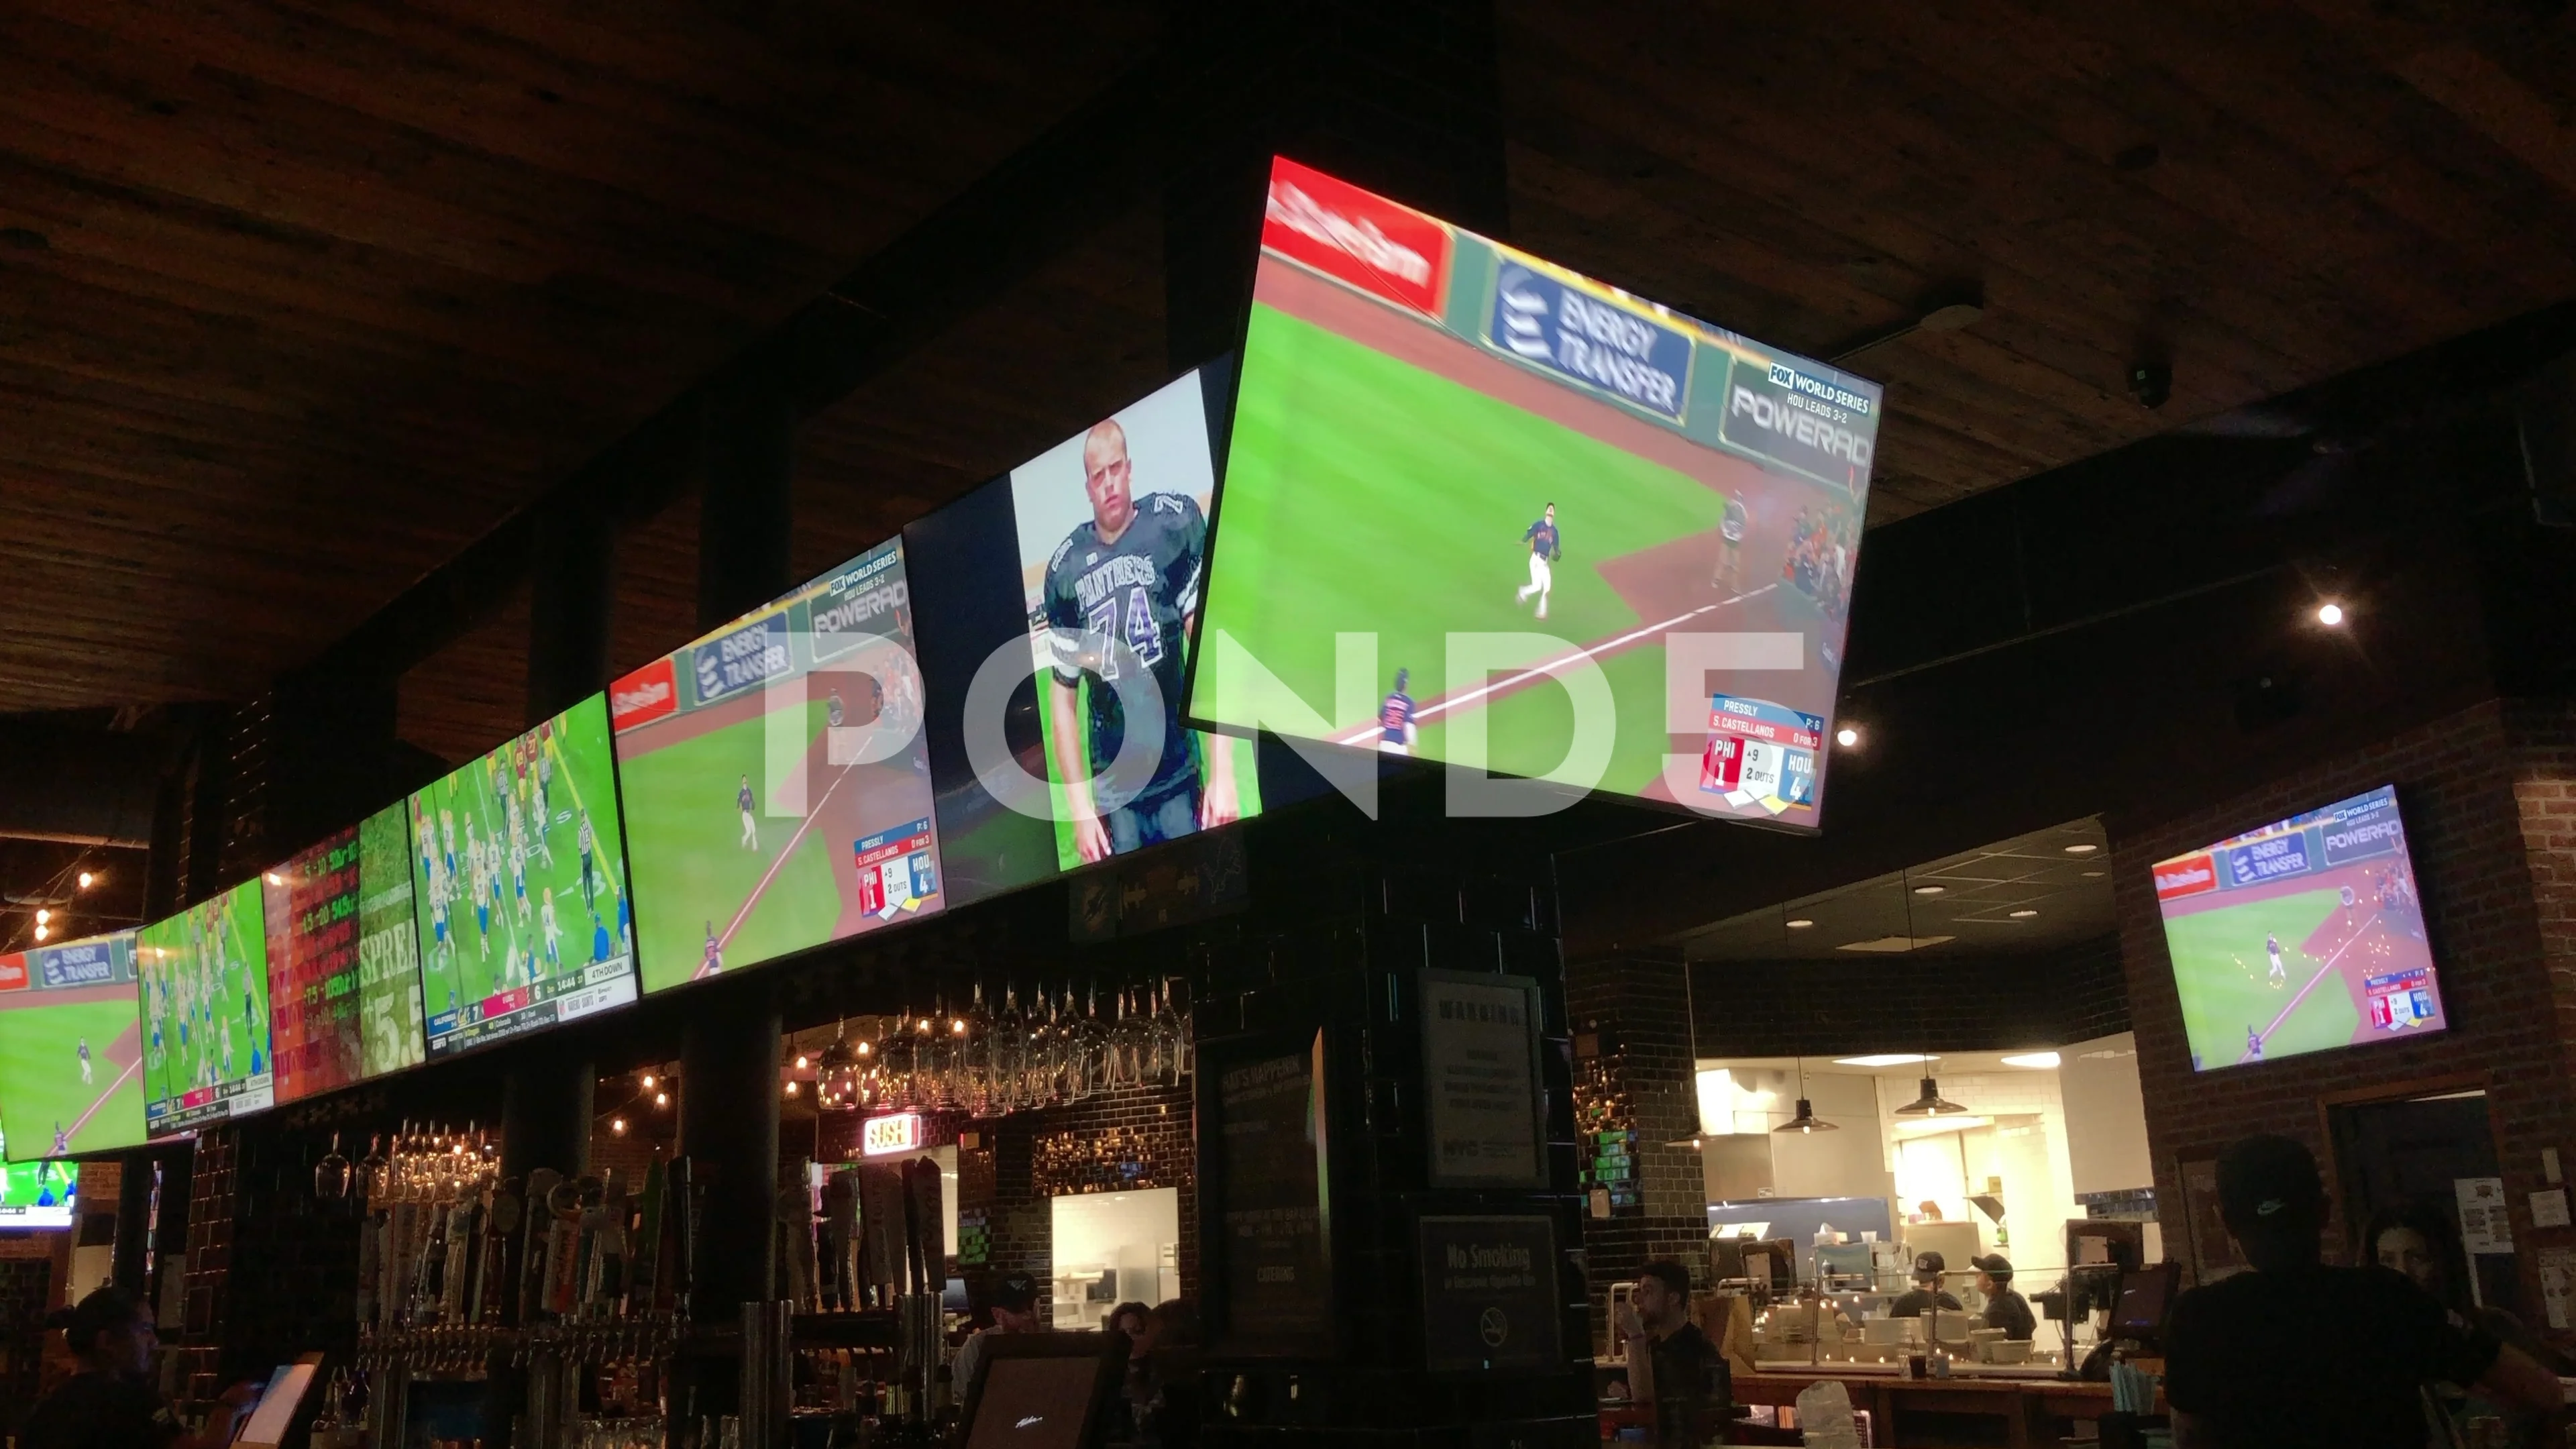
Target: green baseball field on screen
column 2223, row 975
column 41, row 1087
column 506, row 945
column 38, row 1184
column 1365, row 494
column 204, row 975
column 696, row 876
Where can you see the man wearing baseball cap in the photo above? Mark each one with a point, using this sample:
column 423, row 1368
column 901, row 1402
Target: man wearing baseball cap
column 2298, row 1352
column 2005, row 1309
column 1015, row 1310
column 1927, row 1292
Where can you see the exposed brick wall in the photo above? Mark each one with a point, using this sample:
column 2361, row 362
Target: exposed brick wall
column 1930, row 1003
column 2471, row 785
column 1641, row 1001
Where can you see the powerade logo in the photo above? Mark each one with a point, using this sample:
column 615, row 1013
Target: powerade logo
column 741, row 659
column 1598, row 343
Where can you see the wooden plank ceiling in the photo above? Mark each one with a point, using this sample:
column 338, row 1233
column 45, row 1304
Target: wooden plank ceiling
column 320, row 293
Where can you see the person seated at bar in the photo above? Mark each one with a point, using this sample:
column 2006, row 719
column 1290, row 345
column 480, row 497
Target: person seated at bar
column 1671, row 1364
column 1927, row 1292
column 2005, row 1309
column 109, row 1403
column 1015, row 1310
column 2419, row 1241
column 2298, row 1352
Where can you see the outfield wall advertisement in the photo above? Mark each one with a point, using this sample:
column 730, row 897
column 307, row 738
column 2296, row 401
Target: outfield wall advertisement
column 71, row 1049
column 1575, row 535
column 344, row 959
column 519, row 887
column 777, row 783
column 204, row 975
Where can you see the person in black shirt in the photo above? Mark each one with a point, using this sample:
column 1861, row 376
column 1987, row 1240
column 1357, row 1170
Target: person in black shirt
column 1927, row 1292
column 1671, row 1364
column 109, row 1404
column 2005, row 1309
column 2296, row 1352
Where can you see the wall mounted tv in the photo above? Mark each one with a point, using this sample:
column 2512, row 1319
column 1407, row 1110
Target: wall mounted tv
column 204, row 975
column 344, row 958
column 519, row 887
column 2304, row 935
column 38, row 1194
column 1591, row 539
column 777, row 783
column 71, row 1049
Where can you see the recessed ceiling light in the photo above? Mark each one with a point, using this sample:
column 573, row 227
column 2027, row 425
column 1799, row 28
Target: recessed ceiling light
column 2087, row 849
column 1799, row 924
column 1929, row 890
column 1884, row 1059
column 2023, row 914
column 2037, row 1061
column 2092, row 875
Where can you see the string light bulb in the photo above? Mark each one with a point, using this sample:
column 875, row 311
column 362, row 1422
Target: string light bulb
column 88, row 878
column 41, row 933
column 43, row 915
column 617, row 1125
column 648, row 1081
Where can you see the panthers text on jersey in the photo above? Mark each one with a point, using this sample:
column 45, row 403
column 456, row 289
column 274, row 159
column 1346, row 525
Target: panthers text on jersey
column 1139, row 591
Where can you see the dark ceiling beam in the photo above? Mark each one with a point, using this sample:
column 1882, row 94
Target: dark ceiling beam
column 1185, row 108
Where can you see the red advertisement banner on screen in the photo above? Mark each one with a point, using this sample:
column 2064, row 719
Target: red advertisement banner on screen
column 644, row 696
column 2188, row 876
column 13, row 973
column 1356, row 237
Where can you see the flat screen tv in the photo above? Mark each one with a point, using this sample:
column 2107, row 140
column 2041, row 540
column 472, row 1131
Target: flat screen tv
column 519, row 887
column 38, row 1194
column 1070, row 591
column 206, row 1052
column 2304, row 935
column 776, row 780
column 344, row 958
column 1544, row 525
column 71, row 1049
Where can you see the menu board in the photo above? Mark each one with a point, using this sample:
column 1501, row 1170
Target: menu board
column 204, row 978
column 1275, row 1265
column 344, row 959
column 519, row 887
column 71, row 1049
column 776, row 779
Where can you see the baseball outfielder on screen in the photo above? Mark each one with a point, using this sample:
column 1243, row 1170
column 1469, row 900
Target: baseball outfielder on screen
column 1544, row 552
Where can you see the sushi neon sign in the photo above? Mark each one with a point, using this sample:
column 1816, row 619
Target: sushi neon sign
column 881, row 1136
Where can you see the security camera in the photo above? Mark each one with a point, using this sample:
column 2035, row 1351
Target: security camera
column 2150, row 383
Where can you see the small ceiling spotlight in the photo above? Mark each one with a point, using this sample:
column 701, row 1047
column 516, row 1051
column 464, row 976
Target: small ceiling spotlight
column 1799, row 924
column 2330, row 614
column 1847, row 737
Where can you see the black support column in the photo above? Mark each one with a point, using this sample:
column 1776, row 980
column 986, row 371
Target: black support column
column 546, row 1094
column 730, row 1045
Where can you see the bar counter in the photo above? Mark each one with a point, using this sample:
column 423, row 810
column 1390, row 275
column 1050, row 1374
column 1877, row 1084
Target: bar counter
column 2030, row 1402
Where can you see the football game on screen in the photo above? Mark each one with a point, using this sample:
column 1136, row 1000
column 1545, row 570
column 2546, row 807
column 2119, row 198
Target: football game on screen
column 1437, row 436
column 343, row 959
column 2303, row 935
column 38, row 1194
column 519, row 886
column 777, row 782
column 71, row 1049
column 204, row 975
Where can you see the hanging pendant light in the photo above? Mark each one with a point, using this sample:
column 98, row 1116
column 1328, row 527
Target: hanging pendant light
column 1806, row 1121
column 1931, row 1103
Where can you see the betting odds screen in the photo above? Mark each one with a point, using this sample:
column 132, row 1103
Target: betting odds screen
column 519, row 887
column 344, row 959
column 1568, row 533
